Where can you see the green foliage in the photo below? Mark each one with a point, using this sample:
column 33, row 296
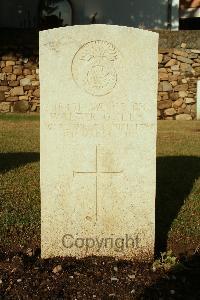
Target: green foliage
column 167, row 261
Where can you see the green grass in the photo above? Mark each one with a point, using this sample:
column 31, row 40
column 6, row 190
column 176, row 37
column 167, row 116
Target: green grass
column 19, row 180
column 178, row 186
column 178, row 183
column 19, row 117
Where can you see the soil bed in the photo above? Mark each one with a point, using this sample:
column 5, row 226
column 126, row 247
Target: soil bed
column 24, row 275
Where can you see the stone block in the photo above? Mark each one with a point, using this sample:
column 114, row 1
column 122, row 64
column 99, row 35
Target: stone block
column 164, row 104
column 4, row 107
column 21, row 106
column 183, row 117
column 17, row 91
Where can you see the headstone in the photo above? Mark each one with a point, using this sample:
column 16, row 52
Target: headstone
column 98, row 141
column 198, row 100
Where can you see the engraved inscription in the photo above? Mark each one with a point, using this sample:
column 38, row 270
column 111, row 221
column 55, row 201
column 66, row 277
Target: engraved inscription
column 96, row 173
column 93, row 67
column 100, row 119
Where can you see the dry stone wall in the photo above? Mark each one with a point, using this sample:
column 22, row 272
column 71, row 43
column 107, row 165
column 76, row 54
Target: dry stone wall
column 178, row 69
column 19, row 83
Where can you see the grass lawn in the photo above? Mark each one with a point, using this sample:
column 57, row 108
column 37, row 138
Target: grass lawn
column 178, row 184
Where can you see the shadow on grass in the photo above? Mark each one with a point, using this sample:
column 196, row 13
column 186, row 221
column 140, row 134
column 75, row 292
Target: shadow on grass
column 175, row 178
column 9, row 161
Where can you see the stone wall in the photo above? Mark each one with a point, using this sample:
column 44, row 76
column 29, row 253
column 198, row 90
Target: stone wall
column 19, row 83
column 178, row 68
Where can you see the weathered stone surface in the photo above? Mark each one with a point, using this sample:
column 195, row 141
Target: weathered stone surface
column 180, row 110
column 17, row 91
column 4, row 107
column 183, row 105
column 13, row 83
column 183, row 45
column 4, row 82
column 89, row 97
column 35, row 83
column 175, row 68
column 27, row 72
column 36, row 93
column 195, row 51
column 171, row 62
column 184, row 59
column 166, row 86
column 2, row 76
column 11, row 77
column 34, row 107
column 187, row 110
column 197, row 70
column 183, row 117
column 7, row 69
column 178, row 103
column 4, row 88
column 166, row 59
column 193, row 108
column 192, row 55
column 10, row 63
column 2, row 96
column 25, row 81
column 163, row 76
column 160, row 58
column 182, row 94
column 165, row 97
column 162, row 70
column 17, row 70
column 173, row 77
column 19, row 77
column 181, row 87
column 180, row 52
column 21, row 106
column 29, row 88
column 12, row 98
column 174, row 83
column 31, row 77
column 164, row 104
column 170, row 112
column 25, row 97
column 186, row 67
column 162, row 94
column 173, row 96
column 196, row 65
column 189, row 100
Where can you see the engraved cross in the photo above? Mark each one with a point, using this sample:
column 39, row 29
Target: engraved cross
column 96, row 173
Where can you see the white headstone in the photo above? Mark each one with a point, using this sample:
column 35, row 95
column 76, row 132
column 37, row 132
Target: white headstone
column 98, row 141
column 198, row 100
